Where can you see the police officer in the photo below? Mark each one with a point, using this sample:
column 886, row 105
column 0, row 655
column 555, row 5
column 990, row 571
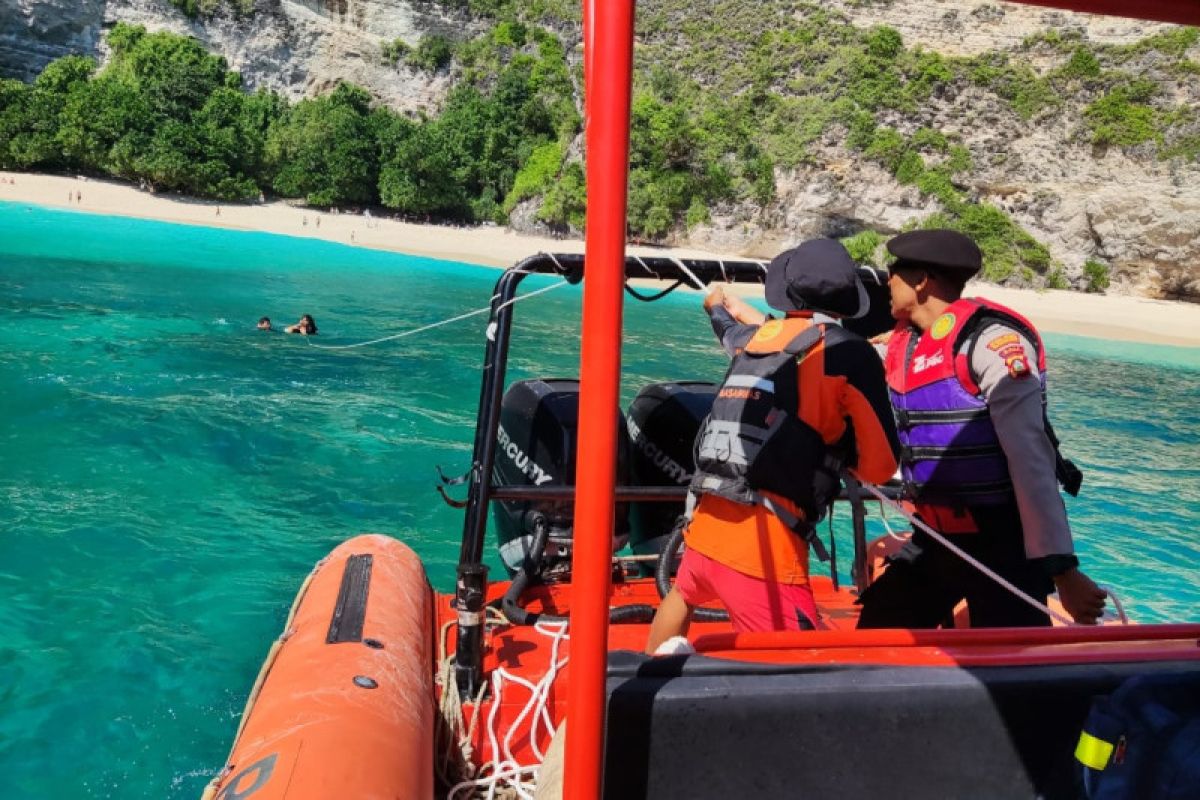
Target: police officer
column 979, row 460
column 803, row 397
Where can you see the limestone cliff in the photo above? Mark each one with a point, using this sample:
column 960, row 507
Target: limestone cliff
column 296, row 47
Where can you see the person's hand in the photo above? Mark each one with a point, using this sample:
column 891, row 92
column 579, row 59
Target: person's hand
column 882, row 338
column 743, row 312
column 716, row 297
column 1080, row 596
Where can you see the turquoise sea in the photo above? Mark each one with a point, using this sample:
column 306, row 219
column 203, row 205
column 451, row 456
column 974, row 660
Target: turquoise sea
column 168, row 474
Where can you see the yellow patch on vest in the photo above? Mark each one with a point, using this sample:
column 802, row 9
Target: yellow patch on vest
column 769, row 330
column 942, row 326
column 1003, row 340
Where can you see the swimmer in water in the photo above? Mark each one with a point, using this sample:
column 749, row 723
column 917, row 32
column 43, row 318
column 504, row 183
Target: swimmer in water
column 264, row 324
column 307, row 326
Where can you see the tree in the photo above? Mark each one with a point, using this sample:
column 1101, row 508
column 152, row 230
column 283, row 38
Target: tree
column 421, row 176
column 97, row 116
column 36, row 122
column 322, row 150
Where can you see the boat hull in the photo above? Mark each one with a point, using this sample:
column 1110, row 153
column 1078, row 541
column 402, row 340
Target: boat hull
column 344, row 706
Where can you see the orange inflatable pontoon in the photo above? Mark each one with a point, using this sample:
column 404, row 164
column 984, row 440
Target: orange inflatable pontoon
column 343, row 707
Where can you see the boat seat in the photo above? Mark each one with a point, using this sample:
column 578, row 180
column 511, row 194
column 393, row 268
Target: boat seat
column 701, row 727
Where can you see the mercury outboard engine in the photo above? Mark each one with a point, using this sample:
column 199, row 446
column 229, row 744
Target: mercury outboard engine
column 664, row 420
column 537, row 446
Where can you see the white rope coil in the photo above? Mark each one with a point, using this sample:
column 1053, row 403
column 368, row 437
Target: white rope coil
column 501, row 776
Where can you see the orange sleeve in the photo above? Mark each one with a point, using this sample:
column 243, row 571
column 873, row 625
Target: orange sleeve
column 875, row 438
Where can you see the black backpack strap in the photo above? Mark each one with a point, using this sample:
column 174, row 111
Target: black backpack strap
column 804, row 341
column 805, row 530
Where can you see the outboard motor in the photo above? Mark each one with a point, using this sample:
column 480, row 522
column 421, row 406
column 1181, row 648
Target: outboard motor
column 664, row 420
column 537, row 444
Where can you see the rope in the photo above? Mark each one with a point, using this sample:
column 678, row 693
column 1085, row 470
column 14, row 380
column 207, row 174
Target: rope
column 502, row 776
column 699, row 284
column 883, row 518
column 1121, row 615
column 433, row 325
column 958, row 551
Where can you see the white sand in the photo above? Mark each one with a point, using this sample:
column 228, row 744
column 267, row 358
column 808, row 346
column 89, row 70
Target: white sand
column 1108, row 316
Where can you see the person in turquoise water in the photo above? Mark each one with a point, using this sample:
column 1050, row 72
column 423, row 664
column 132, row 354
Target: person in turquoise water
column 979, row 459
column 307, row 326
column 264, row 324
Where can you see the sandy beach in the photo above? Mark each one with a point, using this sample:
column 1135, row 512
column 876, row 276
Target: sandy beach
column 1120, row 317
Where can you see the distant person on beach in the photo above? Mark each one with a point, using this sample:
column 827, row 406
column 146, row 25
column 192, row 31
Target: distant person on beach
column 803, row 399
column 307, row 326
column 980, row 461
column 264, row 324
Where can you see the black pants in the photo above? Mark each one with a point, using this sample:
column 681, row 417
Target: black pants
column 925, row 580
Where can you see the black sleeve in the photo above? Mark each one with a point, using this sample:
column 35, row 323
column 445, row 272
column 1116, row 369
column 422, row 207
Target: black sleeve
column 732, row 334
column 852, row 357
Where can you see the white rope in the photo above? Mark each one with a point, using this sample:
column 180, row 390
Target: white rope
column 503, row 775
column 699, row 284
column 883, row 518
column 1121, row 615
column 958, row 551
column 433, row 325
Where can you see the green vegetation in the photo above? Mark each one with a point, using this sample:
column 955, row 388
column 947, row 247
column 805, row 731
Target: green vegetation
column 1096, row 275
column 164, row 111
column 727, row 97
column 1056, row 280
column 431, row 53
column 168, row 114
column 865, row 247
column 204, row 8
column 395, row 51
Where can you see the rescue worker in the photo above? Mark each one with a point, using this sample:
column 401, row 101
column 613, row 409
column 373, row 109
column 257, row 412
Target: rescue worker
column 979, row 458
column 802, row 399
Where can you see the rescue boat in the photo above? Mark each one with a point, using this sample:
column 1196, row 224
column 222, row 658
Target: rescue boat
column 382, row 687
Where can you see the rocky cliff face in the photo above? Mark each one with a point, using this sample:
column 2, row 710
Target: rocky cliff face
column 1136, row 214
column 1129, row 210
column 296, row 47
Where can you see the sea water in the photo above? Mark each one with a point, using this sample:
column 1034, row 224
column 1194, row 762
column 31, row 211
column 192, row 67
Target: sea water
column 169, row 474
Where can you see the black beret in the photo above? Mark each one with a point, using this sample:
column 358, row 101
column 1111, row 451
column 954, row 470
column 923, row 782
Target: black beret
column 944, row 251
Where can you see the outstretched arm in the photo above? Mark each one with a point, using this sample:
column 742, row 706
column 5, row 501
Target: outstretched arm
column 732, row 333
column 1008, row 378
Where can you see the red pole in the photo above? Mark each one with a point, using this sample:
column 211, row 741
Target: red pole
column 608, row 61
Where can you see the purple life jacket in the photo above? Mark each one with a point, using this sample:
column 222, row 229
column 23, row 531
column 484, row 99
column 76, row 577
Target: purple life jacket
column 950, row 454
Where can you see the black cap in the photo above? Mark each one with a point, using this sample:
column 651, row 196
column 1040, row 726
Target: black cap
column 943, row 251
column 819, row 275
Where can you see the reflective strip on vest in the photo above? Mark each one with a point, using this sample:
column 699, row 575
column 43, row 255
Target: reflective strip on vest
column 730, row 442
column 751, row 382
column 1093, row 752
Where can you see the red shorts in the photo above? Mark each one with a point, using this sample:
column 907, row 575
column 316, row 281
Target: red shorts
column 753, row 603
